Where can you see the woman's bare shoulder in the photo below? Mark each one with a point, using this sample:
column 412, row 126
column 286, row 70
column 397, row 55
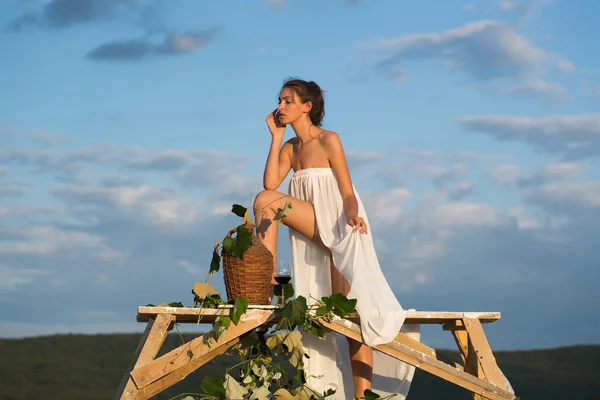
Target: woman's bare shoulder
column 292, row 141
column 329, row 138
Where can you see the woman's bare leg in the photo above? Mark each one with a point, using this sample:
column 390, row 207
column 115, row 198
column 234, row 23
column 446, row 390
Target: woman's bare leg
column 361, row 355
column 302, row 220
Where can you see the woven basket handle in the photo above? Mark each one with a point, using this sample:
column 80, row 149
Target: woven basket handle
column 231, row 232
column 250, row 228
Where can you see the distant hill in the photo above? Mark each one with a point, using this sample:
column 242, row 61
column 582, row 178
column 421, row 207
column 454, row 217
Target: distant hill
column 90, row 367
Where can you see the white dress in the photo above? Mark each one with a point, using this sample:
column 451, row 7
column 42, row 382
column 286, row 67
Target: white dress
column 381, row 315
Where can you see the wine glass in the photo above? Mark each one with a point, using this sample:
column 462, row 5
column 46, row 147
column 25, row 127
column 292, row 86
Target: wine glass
column 283, row 275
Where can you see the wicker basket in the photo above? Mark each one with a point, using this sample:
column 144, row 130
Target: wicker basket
column 249, row 276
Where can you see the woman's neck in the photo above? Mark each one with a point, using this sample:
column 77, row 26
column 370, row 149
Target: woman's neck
column 304, row 129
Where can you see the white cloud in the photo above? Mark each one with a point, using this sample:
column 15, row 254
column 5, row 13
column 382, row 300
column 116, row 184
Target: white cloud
column 469, row 7
column 506, row 173
column 535, row 87
column 457, row 215
column 190, row 267
column 484, row 49
column 561, row 170
column 565, row 66
column 571, row 135
column 48, row 240
column 13, row 278
column 571, row 194
column 508, row 5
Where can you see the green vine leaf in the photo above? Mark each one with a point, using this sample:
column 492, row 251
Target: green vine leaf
column 342, row 305
column 295, row 310
column 213, row 387
column 314, row 328
column 238, row 245
column 326, row 308
column 287, row 291
column 215, row 262
column 239, row 210
column 369, row 395
column 261, row 393
column 228, row 244
column 239, row 308
column 291, row 344
column 233, row 389
column 329, row 392
column 176, row 304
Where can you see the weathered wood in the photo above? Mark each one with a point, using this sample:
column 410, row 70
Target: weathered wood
column 150, row 343
column 479, row 346
column 427, row 363
column 191, row 314
column 471, row 365
column 180, row 374
column 180, row 362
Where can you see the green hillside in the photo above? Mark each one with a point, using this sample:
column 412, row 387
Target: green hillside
column 90, row 367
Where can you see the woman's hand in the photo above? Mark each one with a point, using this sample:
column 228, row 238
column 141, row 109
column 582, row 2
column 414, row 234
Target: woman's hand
column 277, row 130
column 358, row 224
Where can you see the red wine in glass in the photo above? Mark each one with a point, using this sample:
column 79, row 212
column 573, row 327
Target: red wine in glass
column 282, row 279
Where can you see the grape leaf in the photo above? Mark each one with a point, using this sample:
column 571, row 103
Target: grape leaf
column 325, row 308
column 341, row 305
column 239, row 308
column 228, row 244
column 233, row 389
column 286, row 291
column 215, row 263
column 238, row 210
column 315, row 329
column 369, row 395
column 213, row 387
column 243, row 241
column 294, row 311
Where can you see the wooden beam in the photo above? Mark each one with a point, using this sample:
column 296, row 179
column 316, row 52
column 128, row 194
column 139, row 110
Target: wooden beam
column 427, row 363
column 468, row 356
column 150, row 343
column 180, row 362
column 191, row 314
column 480, row 347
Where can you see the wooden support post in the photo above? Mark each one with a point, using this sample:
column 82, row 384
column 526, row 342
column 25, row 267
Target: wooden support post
column 426, row 362
column 469, row 359
column 167, row 370
column 150, row 343
column 480, row 348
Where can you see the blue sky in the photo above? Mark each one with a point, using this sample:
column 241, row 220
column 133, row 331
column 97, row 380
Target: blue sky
column 128, row 129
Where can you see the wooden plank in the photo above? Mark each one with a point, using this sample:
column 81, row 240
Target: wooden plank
column 427, row 363
column 468, row 356
column 481, row 347
column 406, row 340
column 190, row 314
column 150, row 343
column 180, row 374
column 193, row 354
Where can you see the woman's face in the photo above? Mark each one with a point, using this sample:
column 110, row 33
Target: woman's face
column 290, row 108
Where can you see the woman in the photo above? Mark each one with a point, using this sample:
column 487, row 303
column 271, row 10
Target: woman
column 332, row 246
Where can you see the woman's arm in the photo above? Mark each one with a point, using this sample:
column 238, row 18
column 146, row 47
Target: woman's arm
column 337, row 159
column 279, row 163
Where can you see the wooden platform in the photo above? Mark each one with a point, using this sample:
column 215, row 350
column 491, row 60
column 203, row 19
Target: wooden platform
column 147, row 375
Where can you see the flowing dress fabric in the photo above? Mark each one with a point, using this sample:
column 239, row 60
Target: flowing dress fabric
column 381, row 315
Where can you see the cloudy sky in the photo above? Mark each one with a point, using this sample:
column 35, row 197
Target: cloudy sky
column 128, row 128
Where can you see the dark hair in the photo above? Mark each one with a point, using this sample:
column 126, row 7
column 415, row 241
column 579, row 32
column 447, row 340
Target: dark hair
column 309, row 91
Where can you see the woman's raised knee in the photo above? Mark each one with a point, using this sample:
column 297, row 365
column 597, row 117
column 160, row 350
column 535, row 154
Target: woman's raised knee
column 263, row 198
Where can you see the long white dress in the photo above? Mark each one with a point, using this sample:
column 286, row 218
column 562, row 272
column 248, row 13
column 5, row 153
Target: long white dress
column 381, row 315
